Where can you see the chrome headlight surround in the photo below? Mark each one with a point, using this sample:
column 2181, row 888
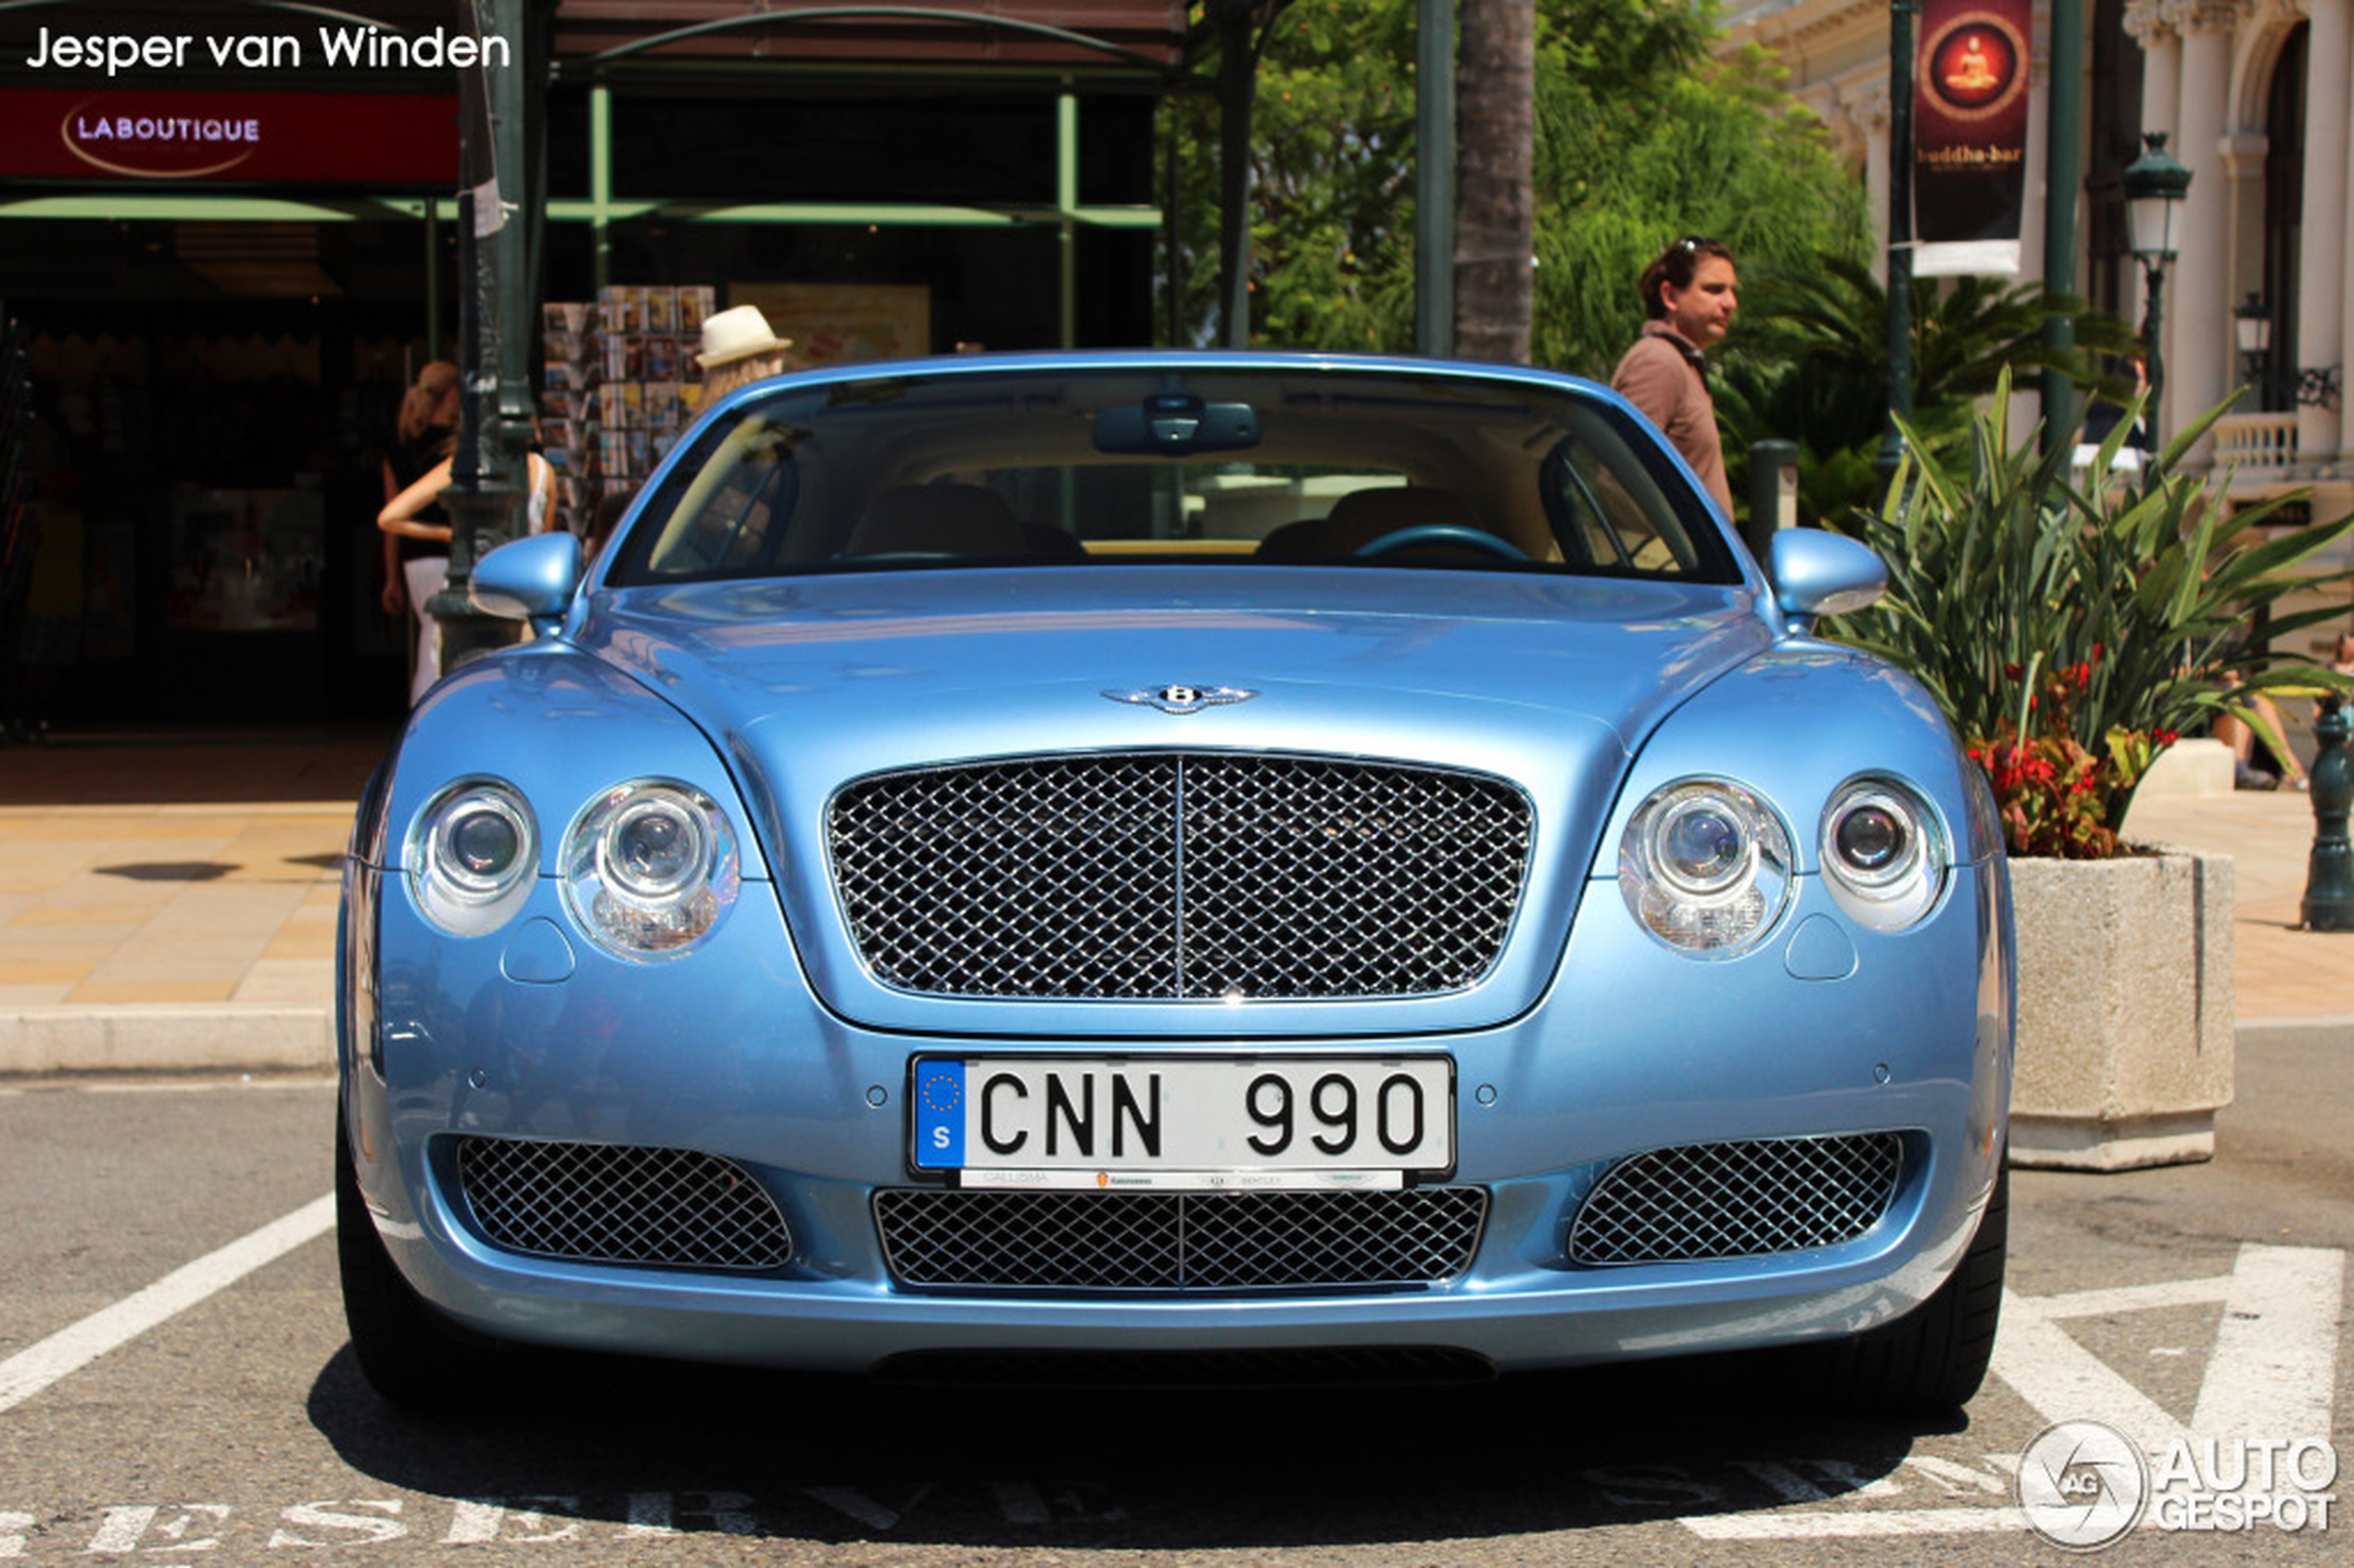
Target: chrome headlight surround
column 472, row 856
column 1884, row 852
column 649, row 868
column 1707, row 866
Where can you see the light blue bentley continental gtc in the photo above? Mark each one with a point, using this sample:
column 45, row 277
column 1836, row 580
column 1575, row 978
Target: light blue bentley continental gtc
column 1144, row 861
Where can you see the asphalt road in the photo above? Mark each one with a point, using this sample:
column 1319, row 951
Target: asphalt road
column 175, row 1385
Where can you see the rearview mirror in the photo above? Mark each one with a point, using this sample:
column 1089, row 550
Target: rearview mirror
column 1174, row 424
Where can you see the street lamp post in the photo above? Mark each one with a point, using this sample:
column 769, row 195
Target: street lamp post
column 498, row 209
column 2154, row 185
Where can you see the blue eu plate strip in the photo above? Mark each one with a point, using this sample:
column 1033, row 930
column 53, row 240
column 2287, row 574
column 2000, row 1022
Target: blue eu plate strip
column 939, row 1115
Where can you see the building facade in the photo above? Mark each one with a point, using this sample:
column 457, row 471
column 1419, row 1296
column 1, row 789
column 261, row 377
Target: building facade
column 2253, row 96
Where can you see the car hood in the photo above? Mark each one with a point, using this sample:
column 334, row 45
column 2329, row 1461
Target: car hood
column 806, row 683
column 890, row 648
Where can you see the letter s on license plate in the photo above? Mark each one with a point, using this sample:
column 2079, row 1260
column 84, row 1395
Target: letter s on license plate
column 1183, row 1121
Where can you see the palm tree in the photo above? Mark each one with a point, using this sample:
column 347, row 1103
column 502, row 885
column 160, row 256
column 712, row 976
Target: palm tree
column 1495, row 223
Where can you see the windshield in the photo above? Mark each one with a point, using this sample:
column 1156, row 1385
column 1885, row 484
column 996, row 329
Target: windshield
column 1057, row 467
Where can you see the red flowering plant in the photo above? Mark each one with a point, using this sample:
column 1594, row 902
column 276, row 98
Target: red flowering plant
column 2071, row 636
column 2055, row 796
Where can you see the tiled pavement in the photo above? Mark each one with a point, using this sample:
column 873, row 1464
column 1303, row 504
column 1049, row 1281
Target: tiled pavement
column 168, row 901
column 2279, row 970
column 181, row 903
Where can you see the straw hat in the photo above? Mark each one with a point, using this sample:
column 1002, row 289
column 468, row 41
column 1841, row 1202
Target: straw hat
column 738, row 333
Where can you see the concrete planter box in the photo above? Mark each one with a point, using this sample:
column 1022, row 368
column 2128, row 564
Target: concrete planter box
column 2125, row 1009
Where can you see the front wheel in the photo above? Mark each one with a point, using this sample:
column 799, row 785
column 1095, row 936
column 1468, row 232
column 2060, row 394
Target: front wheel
column 410, row 1355
column 1933, row 1358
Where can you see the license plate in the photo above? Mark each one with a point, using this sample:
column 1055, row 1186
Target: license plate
column 1183, row 1122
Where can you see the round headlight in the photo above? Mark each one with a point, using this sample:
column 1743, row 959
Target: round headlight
column 655, row 847
column 1884, row 855
column 472, row 856
column 1705, row 866
column 1873, row 841
column 649, row 868
column 1704, row 846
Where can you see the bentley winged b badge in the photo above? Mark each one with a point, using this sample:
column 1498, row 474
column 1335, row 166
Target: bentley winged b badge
column 1184, row 699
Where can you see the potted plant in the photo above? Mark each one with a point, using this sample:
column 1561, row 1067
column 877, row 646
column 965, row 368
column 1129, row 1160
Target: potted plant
column 2071, row 635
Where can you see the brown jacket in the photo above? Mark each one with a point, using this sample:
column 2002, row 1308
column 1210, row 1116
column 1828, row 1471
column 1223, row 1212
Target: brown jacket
column 1663, row 375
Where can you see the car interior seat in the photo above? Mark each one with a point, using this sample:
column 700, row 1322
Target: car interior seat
column 1291, row 542
column 938, row 520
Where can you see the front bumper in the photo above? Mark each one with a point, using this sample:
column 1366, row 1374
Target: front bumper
column 728, row 1053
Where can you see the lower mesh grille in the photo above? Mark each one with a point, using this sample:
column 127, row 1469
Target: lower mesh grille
column 609, row 1203
column 1737, row 1200
column 1179, row 1241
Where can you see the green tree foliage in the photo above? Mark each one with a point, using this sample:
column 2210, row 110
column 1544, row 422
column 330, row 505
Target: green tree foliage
column 1809, row 364
column 1637, row 146
column 1640, row 137
column 1332, row 183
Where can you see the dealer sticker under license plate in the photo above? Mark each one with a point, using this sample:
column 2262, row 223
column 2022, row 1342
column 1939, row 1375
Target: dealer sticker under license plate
column 1184, row 1122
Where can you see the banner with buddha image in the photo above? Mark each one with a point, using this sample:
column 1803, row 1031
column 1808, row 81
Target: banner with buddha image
column 1970, row 135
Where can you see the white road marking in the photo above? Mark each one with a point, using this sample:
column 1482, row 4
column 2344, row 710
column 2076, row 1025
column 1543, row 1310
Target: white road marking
column 1959, row 1480
column 2066, row 1381
column 70, row 1350
column 126, row 1528
column 2272, row 1376
column 1875, row 1522
column 474, row 1521
column 2275, row 1363
column 2136, row 1298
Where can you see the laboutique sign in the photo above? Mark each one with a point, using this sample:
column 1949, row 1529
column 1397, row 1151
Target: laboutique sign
column 1970, row 135
column 319, row 138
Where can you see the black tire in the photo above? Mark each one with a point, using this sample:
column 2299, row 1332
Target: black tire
column 1932, row 1359
column 410, row 1353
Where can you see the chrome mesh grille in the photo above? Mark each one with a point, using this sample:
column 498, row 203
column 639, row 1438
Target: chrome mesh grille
column 1737, row 1200
column 1166, row 876
column 610, row 1203
column 1177, row 1241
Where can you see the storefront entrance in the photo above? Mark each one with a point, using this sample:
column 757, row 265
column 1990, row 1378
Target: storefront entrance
column 201, row 477
column 218, row 336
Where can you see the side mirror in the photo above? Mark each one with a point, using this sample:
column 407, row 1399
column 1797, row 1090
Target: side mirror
column 1818, row 574
column 529, row 580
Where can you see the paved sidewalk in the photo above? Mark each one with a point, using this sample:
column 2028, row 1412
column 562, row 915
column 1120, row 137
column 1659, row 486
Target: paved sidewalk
column 168, row 901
